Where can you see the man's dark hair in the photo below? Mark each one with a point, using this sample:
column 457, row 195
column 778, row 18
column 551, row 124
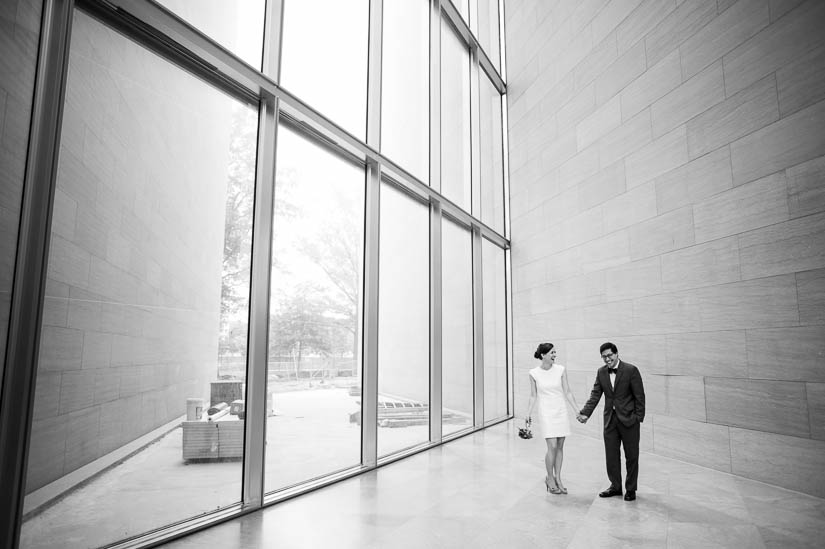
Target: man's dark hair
column 606, row 346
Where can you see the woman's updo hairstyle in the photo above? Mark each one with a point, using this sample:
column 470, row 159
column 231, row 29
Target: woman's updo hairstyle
column 542, row 350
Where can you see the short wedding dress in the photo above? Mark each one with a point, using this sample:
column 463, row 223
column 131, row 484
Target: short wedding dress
column 554, row 419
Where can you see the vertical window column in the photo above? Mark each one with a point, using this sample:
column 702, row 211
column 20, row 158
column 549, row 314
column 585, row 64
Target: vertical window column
column 369, row 319
column 369, row 308
column 255, row 406
column 477, row 133
column 436, row 323
column 478, row 331
column 436, row 340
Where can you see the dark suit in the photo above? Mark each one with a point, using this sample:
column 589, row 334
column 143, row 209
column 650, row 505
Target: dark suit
column 624, row 410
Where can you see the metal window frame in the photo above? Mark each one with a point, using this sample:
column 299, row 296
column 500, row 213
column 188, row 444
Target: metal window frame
column 174, row 39
column 28, row 287
column 478, row 331
column 372, row 213
column 436, row 356
column 436, row 322
column 260, row 280
column 219, row 65
column 451, row 13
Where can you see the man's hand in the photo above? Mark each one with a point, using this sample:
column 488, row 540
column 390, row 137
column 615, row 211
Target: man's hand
column 582, row 418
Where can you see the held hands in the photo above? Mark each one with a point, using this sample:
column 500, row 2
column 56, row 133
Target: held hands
column 582, row 418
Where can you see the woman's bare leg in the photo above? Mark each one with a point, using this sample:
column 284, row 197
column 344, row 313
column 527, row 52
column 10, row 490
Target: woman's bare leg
column 558, row 460
column 550, row 461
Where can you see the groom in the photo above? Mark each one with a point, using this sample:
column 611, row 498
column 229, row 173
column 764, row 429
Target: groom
column 624, row 410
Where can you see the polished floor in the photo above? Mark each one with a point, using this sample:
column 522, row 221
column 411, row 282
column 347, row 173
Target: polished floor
column 486, row 490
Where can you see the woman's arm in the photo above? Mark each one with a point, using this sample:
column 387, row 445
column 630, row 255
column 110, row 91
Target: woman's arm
column 567, row 392
column 533, row 394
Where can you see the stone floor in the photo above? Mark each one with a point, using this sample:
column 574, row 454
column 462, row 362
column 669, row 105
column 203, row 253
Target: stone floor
column 486, row 490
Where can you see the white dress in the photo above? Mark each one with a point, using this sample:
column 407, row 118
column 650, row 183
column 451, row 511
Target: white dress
column 554, row 419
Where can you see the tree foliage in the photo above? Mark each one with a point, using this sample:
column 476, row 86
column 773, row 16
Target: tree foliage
column 318, row 317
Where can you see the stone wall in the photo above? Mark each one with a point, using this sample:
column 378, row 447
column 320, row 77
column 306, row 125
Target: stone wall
column 666, row 171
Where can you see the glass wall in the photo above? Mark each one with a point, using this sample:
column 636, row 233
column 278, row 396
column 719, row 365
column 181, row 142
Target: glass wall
column 495, row 331
column 405, row 86
column 144, row 325
column 488, row 30
column 238, row 26
column 185, row 183
column 457, row 327
column 313, row 378
column 324, row 59
column 403, row 322
column 491, row 176
column 455, row 117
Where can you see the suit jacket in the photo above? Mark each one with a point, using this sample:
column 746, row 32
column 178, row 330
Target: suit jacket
column 626, row 400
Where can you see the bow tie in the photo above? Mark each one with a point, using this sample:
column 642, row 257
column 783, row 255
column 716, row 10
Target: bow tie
column 612, row 370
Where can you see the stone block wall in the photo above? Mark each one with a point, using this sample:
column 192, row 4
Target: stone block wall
column 667, row 176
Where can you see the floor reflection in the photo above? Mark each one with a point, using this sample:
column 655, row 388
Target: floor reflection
column 486, row 490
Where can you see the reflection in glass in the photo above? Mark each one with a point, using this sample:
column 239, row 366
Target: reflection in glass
column 405, row 86
column 313, row 377
column 403, row 322
column 237, row 26
column 495, row 331
column 488, row 30
column 455, row 117
column 324, row 59
column 144, row 322
column 457, row 327
column 19, row 42
column 491, row 158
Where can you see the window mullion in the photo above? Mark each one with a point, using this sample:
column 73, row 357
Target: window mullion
column 28, row 291
column 369, row 390
column 273, row 40
column 436, row 322
column 478, row 331
column 257, row 355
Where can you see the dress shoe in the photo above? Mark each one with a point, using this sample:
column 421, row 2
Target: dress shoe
column 630, row 496
column 609, row 493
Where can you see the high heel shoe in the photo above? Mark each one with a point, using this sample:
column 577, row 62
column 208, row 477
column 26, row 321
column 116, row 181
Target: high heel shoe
column 562, row 489
column 552, row 489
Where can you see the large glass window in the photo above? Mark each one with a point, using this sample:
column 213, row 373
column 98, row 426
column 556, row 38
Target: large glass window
column 142, row 355
column 488, row 30
column 457, row 327
column 19, row 42
column 238, row 26
column 314, row 381
column 139, row 412
column 495, row 331
column 324, row 59
column 405, row 91
column 403, row 322
column 491, row 174
column 455, row 117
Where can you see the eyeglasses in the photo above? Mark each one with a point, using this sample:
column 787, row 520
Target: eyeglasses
column 608, row 355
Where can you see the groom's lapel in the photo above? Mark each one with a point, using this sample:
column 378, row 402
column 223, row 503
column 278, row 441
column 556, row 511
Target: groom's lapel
column 606, row 374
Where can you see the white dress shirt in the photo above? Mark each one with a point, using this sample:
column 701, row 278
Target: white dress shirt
column 613, row 376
